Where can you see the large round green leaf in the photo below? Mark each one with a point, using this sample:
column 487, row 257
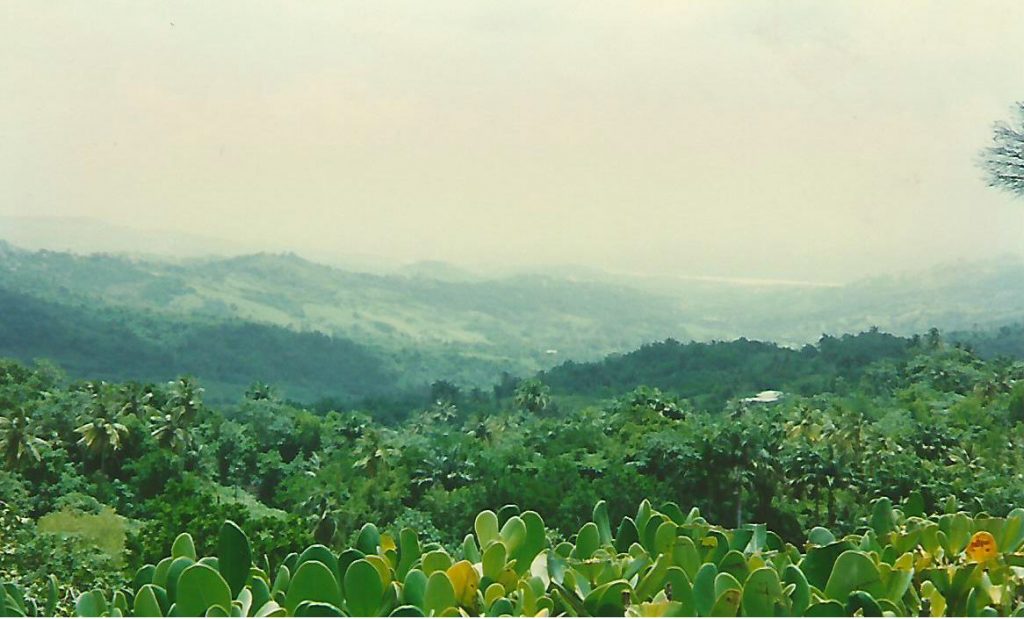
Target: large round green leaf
column 313, row 582
column 415, row 588
column 853, row 571
column 199, row 588
column 234, row 558
column 820, row 536
column 408, row 552
column 368, row 539
column 91, row 604
column 704, row 588
column 321, row 553
column 146, row 604
column 439, row 595
column 801, row 595
column 174, row 572
column 160, row 572
column 183, row 546
column 588, row 540
column 143, row 576
column 363, row 588
column 761, row 592
column 534, row 541
column 865, row 603
column 727, row 603
column 486, row 528
column 513, row 533
column 817, row 564
column 684, row 555
column 626, row 534
column 494, row 560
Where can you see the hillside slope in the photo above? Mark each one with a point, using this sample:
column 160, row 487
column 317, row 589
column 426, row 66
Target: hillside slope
column 712, row 373
column 227, row 355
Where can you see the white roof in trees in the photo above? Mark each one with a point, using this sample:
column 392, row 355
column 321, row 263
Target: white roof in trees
column 765, row 397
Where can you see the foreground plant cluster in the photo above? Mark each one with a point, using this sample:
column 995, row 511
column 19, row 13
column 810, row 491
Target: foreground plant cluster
column 657, row 563
column 98, row 479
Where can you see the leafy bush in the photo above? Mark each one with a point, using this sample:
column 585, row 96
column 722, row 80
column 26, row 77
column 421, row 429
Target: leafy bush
column 656, row 562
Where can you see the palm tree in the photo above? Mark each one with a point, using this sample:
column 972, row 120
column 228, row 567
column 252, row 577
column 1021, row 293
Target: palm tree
column 137, row 402
column 102, row 437
column 101, row 434
column 18, row 443
column 173, row 427
column 186, row 398
column 172, row 432
column 532, row 395
column 259, row 391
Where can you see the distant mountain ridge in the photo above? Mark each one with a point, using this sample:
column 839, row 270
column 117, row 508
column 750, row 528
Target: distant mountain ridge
column 436, row 322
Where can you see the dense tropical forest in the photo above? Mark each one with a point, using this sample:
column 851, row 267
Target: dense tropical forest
column 112, row 493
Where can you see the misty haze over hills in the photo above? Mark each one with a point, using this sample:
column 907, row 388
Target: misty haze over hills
column 412, row 324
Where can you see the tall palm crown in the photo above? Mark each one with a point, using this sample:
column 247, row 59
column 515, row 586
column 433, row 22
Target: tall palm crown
column 532, row 395
column 101, row 434
column 18, row 442
column 173, row 427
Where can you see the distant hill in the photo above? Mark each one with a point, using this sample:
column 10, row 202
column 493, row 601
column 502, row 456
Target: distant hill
column 1006, row 341
column 954, row 297
column 510, row 323
column 712, row 373
column 228, row 356
column 433, row 321
column 88, row 235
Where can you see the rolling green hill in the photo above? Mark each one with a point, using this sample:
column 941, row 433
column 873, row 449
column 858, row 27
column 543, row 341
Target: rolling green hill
column 318, row 331
column 463, row 330
column 229, row 355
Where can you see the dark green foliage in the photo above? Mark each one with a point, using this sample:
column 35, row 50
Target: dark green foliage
column 115, row 344
column 710, row 374
column 919, row 424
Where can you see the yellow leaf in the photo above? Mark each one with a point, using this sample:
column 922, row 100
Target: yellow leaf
column 924, row 561
column 466, row 581
column 982, row 547
column 492, row 593
column 387, row 543
column 905, row 562
column 938, row 603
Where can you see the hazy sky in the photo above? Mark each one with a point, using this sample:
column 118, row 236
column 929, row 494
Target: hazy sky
column 787, row 139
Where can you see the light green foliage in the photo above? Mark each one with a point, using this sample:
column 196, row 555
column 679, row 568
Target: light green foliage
column 864, row 575
column 105, row 530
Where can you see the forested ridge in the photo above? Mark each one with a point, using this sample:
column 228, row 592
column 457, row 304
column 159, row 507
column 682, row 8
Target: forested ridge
column 115, row 344
column 320, row 332
column 100, row 479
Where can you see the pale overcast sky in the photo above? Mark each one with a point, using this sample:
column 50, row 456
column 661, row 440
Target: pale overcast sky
column 787, row 139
